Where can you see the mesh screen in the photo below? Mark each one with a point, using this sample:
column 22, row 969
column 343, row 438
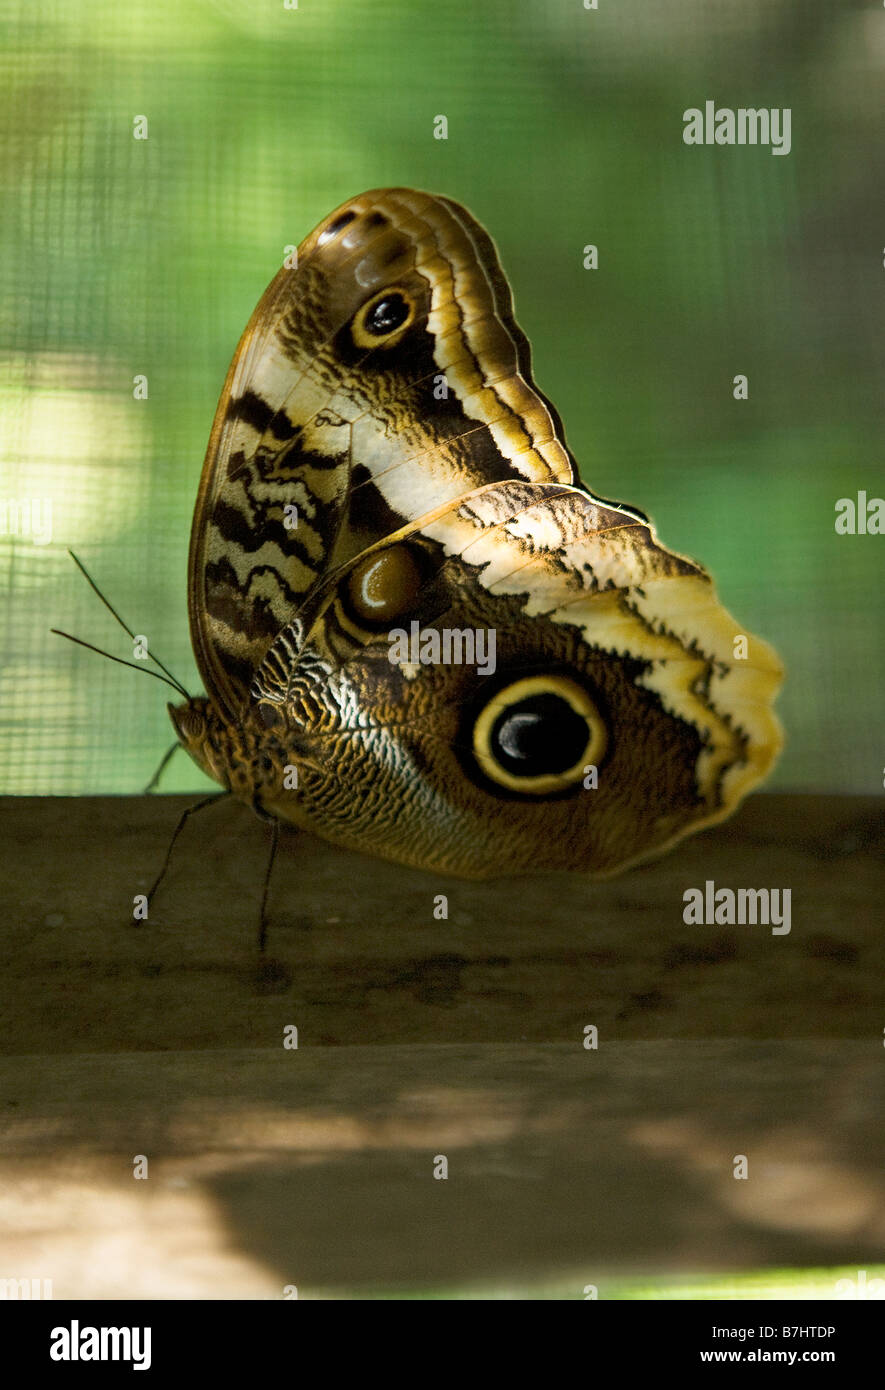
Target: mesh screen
column 125, row 257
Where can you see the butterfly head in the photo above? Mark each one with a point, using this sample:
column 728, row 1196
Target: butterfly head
column 253, row 758
column 198, row 732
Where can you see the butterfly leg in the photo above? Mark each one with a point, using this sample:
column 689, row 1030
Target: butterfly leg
column 262, row 921
column 183, row 819
column 161, row 769
column 272, row 976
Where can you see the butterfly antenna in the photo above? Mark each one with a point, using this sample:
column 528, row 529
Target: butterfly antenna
column 120, row 661
column 126, row 628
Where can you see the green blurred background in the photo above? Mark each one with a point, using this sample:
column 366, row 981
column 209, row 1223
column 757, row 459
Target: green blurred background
column 123, row 257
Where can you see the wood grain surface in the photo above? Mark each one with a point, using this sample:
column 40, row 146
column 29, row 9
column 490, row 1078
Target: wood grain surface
column 420, row 1037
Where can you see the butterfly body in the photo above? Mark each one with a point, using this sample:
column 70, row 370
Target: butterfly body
column 421, row 635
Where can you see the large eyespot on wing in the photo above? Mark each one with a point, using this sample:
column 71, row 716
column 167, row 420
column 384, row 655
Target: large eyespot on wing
column 384, row 585
column 384, row 318
column 380, row 375
column 538, row 735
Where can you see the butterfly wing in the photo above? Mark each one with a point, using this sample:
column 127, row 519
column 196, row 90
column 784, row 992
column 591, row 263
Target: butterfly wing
column 607, row 711
column 381, row 376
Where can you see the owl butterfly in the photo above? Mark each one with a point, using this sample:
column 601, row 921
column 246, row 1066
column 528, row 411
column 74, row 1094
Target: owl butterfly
column 595, row 705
